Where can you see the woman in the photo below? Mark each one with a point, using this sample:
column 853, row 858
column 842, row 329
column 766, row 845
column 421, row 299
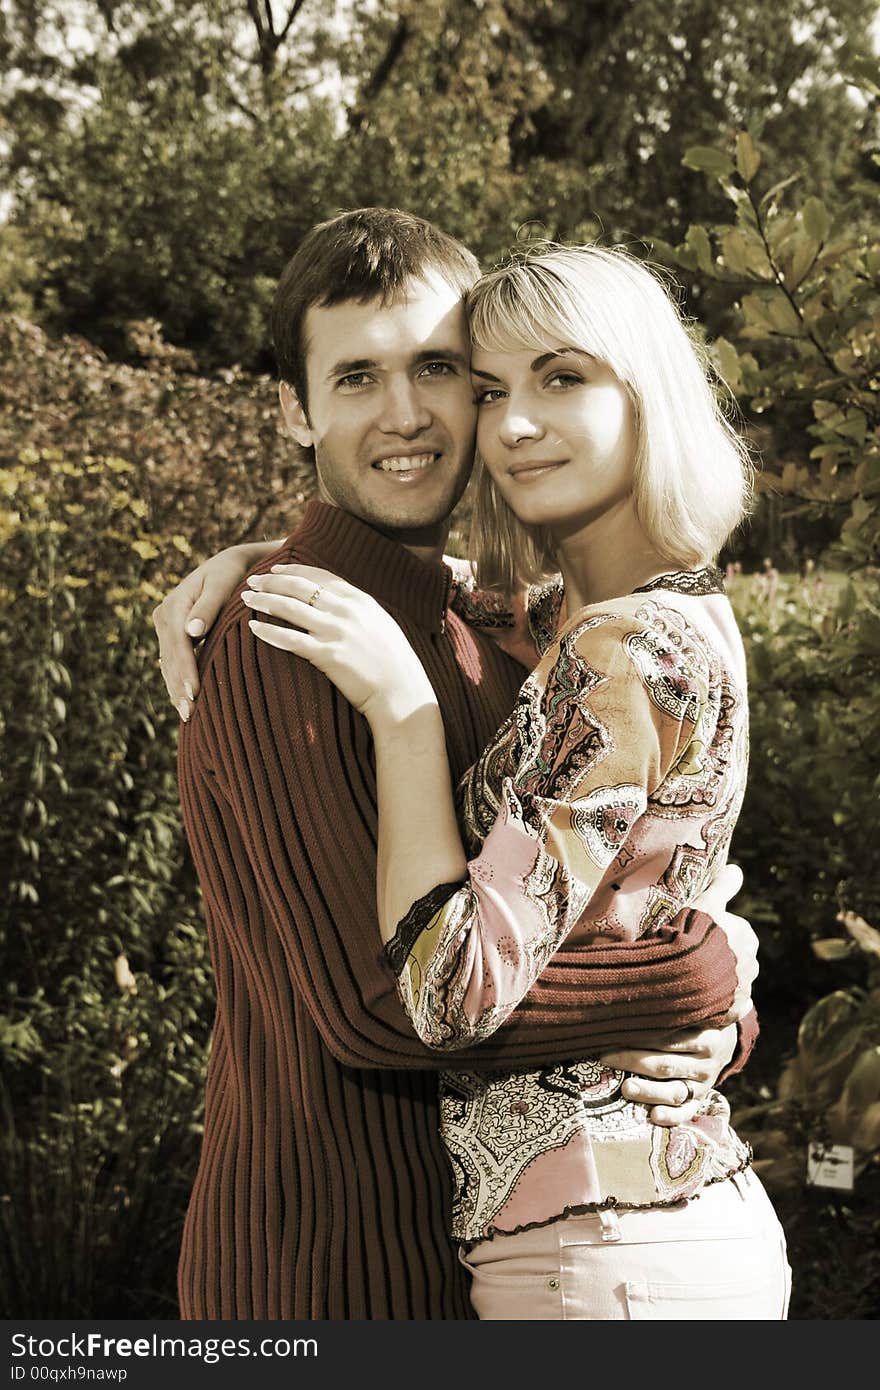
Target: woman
column 602, row 807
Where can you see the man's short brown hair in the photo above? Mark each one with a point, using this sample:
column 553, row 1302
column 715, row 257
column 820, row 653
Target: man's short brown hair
column 368, row 253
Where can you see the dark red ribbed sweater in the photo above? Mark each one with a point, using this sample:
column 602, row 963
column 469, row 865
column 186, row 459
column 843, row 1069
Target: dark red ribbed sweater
column 322, row 1190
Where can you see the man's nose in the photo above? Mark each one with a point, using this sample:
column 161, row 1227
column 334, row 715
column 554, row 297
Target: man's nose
column 404, row 409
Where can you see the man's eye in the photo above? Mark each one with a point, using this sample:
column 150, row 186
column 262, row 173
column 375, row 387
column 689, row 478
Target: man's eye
column 354, row 380
column 437, row 369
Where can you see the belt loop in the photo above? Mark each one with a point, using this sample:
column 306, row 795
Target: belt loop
column 610, row 1223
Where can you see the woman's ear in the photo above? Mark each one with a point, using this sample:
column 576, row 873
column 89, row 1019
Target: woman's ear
column 295, row 417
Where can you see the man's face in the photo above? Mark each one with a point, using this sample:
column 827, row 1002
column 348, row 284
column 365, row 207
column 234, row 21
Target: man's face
column 391, row 412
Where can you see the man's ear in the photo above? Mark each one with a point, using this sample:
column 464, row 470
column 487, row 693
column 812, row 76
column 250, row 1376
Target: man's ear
column 295, row 417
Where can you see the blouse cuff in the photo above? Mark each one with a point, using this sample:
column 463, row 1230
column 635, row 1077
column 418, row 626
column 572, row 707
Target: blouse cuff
column 410, row 928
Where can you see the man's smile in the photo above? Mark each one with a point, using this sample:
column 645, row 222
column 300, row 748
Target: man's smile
column 406, row 464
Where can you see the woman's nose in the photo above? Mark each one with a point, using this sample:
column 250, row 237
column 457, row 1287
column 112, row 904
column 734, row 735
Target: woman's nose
column 517, row 425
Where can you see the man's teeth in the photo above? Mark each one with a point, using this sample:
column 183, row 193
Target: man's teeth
column 405, row 465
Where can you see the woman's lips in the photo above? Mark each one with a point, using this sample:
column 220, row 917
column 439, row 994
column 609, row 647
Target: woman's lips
column 535, row 468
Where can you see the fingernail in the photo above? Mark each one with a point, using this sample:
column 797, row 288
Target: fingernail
column 254, row 580
column 247, row 596
column 195, row 627
column 183, row 710
column 190, row 694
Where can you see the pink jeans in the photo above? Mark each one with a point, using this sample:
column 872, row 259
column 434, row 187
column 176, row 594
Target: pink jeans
column 720, row 1256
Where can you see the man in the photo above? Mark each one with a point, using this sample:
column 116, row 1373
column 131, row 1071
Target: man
column 322, row 1190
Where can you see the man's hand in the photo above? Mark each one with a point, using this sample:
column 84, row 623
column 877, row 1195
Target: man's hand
column 676, row 1075
column 742, row 939
column 187, row 612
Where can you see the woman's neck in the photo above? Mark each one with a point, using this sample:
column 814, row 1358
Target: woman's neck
column 608, row 557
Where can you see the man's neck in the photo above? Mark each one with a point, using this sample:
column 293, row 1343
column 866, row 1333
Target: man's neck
column 424, row 543
column 428, row 551
column 397, row 570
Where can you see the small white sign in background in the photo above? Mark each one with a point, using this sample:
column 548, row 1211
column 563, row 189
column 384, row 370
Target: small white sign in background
column 830, row 1165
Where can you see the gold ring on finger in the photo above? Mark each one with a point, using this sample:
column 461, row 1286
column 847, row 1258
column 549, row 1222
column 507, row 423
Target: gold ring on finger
column 315, row 592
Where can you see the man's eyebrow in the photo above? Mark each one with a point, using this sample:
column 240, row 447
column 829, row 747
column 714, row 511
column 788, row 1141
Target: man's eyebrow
column 356, row 364
column 368, row 364
column 441, row 354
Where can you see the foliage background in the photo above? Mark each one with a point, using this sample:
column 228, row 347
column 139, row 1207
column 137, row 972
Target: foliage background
column 162, row 160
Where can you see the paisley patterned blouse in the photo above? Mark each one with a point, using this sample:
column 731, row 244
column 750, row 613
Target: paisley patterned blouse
column 602, row 807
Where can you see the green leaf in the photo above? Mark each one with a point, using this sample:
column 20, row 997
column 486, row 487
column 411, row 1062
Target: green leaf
column 817, row 223
column 802, row 258
column 748, row 159
column 832, row 948
column 756, row 311
column 728, row 363
column 777, row 188
column 863, row 1084
column 733, row 249
column 854, row 426
column 847, row 603
column 698, row 241
column 707, row 160
column 861, row 71
column 782, row 316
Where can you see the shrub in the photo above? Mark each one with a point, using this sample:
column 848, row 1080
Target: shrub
column 803, row 361
column 106, row 995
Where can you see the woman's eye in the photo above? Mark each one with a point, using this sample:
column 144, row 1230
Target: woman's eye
column 565, row 379
column 488, row 395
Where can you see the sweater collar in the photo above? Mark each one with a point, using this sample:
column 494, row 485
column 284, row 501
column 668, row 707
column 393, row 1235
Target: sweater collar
column 337, row 541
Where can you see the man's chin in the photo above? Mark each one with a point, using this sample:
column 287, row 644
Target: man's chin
column 408, row 512
column 406, row 524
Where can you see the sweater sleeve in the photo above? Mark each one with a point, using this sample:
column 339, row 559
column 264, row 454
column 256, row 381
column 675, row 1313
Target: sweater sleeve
column 597, row 730
column 274, row 854
column 747, row 1030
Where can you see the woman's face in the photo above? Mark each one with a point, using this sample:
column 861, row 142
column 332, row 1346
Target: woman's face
column 557, row 433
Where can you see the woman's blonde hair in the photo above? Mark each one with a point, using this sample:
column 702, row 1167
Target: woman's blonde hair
column 692, row 478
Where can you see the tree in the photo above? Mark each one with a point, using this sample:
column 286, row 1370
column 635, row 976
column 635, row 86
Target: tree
column 574, row 115
column 167, row 155
column 172, row 137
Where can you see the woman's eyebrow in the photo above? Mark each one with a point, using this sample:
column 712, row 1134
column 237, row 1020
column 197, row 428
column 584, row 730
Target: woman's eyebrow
column 546, row 357
column 539, row 362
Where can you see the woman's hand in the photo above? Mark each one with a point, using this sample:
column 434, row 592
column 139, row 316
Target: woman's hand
column 189, row 610
column 346, row 634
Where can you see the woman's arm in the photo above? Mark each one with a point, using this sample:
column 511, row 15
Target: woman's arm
column 189, row 610
column 474, row 937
